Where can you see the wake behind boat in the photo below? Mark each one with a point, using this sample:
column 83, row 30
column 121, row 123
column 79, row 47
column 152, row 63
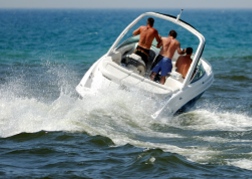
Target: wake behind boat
column 120, row 66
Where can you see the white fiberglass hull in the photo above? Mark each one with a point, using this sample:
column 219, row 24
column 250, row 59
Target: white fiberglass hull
column 115, row 70
column 97, row 79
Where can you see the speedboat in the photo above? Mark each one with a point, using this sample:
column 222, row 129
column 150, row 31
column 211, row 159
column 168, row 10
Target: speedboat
column 121, row 67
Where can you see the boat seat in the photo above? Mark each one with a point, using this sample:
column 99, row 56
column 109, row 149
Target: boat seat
column 173, row 83
column 124, row 76
column 135, row 63
column 117, row 57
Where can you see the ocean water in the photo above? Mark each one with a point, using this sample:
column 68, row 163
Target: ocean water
column 47, row 131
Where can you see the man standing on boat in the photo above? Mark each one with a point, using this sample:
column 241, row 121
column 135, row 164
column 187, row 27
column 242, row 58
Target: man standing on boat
column 147, row 35
column 164, row 60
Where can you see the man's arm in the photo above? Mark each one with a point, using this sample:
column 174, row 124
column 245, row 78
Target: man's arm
column 181, row 52
column 159, row 40
column 137, row 31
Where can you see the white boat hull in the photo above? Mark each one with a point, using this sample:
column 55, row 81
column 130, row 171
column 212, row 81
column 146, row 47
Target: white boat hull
column 112, row 72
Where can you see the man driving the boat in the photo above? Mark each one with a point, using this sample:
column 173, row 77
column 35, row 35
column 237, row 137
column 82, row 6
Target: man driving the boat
column 147, row 35
column 163, row 62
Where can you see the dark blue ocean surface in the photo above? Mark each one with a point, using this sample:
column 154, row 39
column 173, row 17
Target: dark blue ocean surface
column 46, row 131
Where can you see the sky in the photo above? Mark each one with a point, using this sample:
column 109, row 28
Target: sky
column 181, row 4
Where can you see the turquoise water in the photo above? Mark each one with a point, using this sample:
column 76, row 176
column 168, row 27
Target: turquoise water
column 46, row 131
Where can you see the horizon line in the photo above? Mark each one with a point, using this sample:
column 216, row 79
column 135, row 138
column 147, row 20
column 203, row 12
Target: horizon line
column 143, row 8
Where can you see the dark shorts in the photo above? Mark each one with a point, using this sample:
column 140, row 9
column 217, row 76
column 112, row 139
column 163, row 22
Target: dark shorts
column 143, row 53
column 164, row 65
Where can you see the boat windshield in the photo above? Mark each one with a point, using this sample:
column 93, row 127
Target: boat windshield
column 199, row 73
column 128, row 41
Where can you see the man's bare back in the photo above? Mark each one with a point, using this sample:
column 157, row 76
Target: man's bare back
column 147, row 34
column 183, row 63
column 169, row 46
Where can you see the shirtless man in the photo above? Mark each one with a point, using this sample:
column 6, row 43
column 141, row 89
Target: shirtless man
column 183, row 63
column 164, row 60
column 147, row 34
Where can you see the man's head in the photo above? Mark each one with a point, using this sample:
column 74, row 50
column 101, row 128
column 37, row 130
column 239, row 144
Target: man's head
column 173, row 33
column 150, row 21
column 189, row 50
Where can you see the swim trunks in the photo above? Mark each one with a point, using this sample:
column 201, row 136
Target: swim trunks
column 164, row 65
column 143, row 53
column 157, row 60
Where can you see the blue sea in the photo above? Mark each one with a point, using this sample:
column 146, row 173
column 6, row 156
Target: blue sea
column 47, row 131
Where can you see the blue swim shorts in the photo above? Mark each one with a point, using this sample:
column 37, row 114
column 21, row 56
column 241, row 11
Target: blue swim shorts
column 165, row 66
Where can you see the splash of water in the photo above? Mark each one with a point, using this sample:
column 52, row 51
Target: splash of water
column 124, row 117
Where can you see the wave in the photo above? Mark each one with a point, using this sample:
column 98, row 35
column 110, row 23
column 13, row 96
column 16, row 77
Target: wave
column 123, row 119
column 204, row 135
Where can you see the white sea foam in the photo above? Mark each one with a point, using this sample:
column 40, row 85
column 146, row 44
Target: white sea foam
column 241, row 163
column 122, row 116
column 205, row 119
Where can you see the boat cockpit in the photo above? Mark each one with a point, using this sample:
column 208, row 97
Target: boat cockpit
column 125, row 57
